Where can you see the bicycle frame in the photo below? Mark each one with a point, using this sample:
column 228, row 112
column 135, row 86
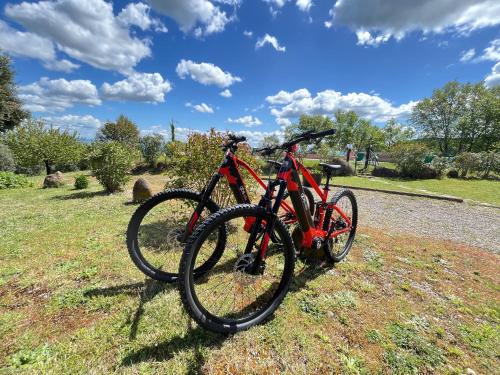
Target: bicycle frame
column 230, row 169
column 288, row 178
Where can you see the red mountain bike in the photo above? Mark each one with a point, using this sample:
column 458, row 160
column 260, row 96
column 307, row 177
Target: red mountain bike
column 253, row 274
column 159, row 228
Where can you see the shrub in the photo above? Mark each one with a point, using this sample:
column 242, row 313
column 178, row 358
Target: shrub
column 81, row 182
column 410, row 160
column 489, row 162
column 440, row 165
column 467, row 162
column 151, row 147
column 110, row 163
column 7, row 163
column 452, row 173
column 385, row 172
column 193, row 164
column 9, row 180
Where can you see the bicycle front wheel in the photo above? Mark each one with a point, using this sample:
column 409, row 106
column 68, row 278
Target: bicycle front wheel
column 232, row 296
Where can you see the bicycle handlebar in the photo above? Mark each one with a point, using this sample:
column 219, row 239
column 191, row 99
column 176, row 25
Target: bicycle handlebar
column 233, row 141
column 307, row 136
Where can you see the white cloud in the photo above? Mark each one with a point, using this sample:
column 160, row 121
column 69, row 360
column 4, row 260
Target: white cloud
column 467, row 55
column 247, row 121
column 276, row 3
column 255, row 138
column 58, row 95
column 366, row 38
column 375, row 22
column 87, row 31
column 138, row 87
column 202, row 107
column 138, row 14
column 26, row 44
column 284, row 122
column 492, row 52
column 61, row 65
column 284, row 97
column 493, row 79
column 205, row 73
column 248, row 33
column 200, row 16
column 269, row 39
column 304, row 5
column 86, row 126
column 226, row 93
column 288, row 105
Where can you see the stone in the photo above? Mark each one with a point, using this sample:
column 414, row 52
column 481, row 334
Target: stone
column 142, row 191
column 53, row 180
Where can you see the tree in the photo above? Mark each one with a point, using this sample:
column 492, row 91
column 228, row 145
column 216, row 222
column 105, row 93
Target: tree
column 460, row 117
column 270, row 141
column 172, row 131
column 310, row 123
column 395, row 133
column 123, row 130
column 479, row 125
column 33, row 144
column 11, row 112
column 111, row 162
column 151, row 147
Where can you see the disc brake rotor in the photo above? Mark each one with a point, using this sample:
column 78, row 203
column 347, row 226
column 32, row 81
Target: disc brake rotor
column 241, row 273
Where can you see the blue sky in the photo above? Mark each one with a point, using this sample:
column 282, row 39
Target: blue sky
column 80, row 63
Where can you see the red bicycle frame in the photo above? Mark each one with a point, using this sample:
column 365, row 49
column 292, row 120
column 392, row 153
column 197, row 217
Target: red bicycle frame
column 230, row 168
column 321, row 228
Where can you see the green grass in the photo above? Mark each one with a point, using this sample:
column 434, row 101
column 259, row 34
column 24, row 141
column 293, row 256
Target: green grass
column 71, row 302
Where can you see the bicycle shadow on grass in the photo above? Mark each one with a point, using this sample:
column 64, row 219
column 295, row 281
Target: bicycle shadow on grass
column 196, row 339
column 146, row 291
column 199, row 339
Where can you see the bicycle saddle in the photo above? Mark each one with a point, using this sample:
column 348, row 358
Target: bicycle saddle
column 330, row 167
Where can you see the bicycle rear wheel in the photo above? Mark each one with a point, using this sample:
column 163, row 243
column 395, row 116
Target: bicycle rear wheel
column 338, row 247
column 231, row 296
column 155, row 231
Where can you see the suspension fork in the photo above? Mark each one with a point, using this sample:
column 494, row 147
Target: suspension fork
column 271, row 218
column 205, row 195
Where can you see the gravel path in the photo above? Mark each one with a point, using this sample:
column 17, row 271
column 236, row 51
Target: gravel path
column 458, row 222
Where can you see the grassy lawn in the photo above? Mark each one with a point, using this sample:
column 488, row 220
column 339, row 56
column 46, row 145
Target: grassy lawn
column 71, row 302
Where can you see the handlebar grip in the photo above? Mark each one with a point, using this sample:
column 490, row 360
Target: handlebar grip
column 237, row 138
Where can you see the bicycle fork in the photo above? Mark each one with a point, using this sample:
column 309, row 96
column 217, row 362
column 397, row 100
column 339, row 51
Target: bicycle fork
column 272, row 215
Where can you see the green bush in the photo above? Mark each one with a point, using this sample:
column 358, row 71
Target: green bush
column 9, row 180
column 467, row 162
column 111, row 163
column 193, row 164
column 7, row 163
column 440, row 165
column 385, row 172
column 81, row 182
column 489, row 163
column 410, row 160
column 151, row 147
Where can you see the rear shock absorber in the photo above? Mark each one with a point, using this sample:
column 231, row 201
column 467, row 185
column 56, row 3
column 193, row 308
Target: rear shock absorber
column 328, row 217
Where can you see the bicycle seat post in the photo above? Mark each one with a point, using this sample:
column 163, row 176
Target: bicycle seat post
column 327, row 183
